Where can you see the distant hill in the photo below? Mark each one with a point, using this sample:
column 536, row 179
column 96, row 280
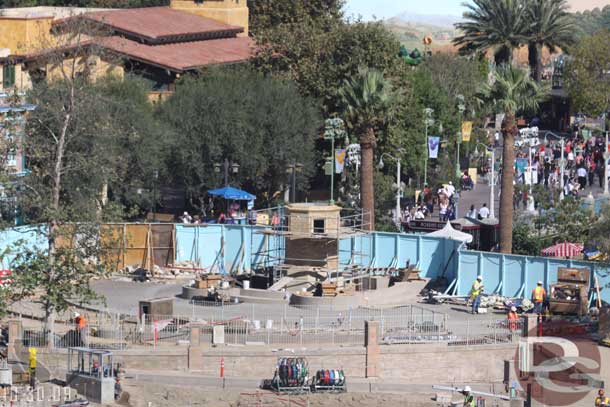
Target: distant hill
column 412, row 28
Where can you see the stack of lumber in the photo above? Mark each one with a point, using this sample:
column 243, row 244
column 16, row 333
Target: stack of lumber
column 208, row 281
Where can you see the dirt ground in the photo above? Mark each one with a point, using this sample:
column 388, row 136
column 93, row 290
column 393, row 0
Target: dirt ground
column 151, row 395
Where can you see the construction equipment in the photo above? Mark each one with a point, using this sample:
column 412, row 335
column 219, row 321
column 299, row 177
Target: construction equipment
column 476, row 393
column 571, row 293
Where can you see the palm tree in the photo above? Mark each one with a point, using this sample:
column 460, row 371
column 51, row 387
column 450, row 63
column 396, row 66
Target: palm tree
column 366, row 99
column 549, row 26
column 497, row 25
column 512, row 91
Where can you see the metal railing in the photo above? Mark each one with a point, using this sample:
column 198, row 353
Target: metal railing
column 287, row 325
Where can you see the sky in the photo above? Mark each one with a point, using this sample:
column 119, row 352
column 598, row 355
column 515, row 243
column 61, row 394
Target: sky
column 389, row 8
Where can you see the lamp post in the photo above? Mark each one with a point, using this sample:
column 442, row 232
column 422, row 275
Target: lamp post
column 293, row 169
column 492, row 181
column 334, row 129
column 155, row 177
column 562, row 163
column 226, row 165
column 461, row 109
column 428, row 121
column 381, row 164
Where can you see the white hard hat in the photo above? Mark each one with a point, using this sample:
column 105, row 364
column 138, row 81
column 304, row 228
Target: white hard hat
column 467, row 389
column 76, row 314
column 185, row 213
column 480, row 278
column 539, row 282
column 513, row 308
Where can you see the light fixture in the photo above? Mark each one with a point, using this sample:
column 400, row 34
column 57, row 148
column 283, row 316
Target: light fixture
column 235, row 168
column 381, row 163
column 217, row 168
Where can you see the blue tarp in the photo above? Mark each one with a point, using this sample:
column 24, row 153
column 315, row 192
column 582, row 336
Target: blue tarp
column 232, row 193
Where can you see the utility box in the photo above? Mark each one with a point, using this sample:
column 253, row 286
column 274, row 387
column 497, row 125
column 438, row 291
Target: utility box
column 156, row 307
column 218, row 335
column 570, row 296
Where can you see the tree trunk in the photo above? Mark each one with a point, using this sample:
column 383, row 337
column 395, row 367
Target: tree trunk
column 506, row 197
column 503, row 55
column 367, row 192
column 534, row 55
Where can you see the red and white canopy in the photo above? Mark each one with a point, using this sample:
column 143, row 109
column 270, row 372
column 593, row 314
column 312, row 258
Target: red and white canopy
column 564, row 249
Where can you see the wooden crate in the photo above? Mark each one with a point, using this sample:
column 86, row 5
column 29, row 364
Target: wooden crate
column 329, row 289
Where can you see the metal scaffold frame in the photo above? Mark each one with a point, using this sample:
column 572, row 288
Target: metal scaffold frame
column 353, row 258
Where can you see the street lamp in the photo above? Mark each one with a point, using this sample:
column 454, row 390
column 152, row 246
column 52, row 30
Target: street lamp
column 428, row 121
column 461, row 109
column 227, row 166
column 398, row 183
column 293, row 169
column 492, row 181
column 562, row 163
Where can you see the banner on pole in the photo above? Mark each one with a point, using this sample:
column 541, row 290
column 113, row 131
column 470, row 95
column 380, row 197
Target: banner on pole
column 433, row 146
column 340, row 155
column 466, row 131
column 499, row 120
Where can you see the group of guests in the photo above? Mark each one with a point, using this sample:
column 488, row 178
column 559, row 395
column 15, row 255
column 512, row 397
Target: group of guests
column 584, row 164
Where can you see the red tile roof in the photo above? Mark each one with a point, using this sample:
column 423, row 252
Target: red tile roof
column 183, row 56
column 156, row 25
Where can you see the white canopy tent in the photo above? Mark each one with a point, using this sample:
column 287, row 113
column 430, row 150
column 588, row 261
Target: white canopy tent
column 448, row 232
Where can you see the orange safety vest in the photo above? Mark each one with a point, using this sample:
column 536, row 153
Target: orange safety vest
column 512, row 320
column 538, row 294
column 81, row 322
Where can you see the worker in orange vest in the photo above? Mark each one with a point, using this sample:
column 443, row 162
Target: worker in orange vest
column 538, row 297
column 82, row 329
column 513, row 317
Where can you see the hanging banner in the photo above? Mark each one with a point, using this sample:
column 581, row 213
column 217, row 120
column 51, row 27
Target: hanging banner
column 499, row 120
column 586, row 134
column 340, row 155
column 466, row 131
column 433, row 145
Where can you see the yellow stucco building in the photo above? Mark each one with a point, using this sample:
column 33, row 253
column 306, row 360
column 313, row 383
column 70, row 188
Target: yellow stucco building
column 158, row 43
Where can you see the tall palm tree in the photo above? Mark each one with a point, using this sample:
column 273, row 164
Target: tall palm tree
column 366, row 98
column 512, row 91
column 497, row 25
column 549, row 26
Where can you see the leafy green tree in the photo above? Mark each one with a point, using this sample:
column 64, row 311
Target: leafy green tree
column 269, row 14
column 496, row 25
column 567, row 222
column 512, row 91
column 586, row 74
column 527, row 239
column 599, row 233
column 261, row 123
column 549, row 26
column 319, row 59
column 367, row 98
column 590, row 22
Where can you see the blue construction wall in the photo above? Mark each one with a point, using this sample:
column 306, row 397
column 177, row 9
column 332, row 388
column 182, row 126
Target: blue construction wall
column 516, row 276
column 509, row 275
column 26, row 236
column 243, row 246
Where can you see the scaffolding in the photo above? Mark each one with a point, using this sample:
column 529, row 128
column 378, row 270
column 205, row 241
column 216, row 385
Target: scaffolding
column 337, row 240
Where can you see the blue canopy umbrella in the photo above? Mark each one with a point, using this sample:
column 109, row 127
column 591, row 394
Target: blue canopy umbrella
column 232, row 193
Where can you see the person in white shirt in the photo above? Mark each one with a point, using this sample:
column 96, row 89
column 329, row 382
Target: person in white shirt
column 450, row 189
column 484, row 212
column 419, row 214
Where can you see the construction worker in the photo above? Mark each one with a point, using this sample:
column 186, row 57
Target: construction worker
column 538, row 297
column 475, row 294
column 602, row 400
column 468, row 397
column 82, row 329
column 32, row 365
column 513, row 318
